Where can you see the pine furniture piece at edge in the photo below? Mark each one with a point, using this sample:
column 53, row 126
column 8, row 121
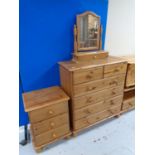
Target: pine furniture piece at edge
column 129, row 87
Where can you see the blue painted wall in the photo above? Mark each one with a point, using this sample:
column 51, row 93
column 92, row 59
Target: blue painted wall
column 46, row 37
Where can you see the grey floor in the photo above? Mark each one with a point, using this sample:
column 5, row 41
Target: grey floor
column 114, row 137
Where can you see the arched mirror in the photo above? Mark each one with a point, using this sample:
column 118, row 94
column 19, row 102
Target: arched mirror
column 88, row 36
column 88, row 26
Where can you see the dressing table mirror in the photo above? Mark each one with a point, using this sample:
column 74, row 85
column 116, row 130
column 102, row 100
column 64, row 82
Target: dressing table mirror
column 88, row 37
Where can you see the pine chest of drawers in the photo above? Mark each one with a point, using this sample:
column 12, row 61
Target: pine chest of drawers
column 49, row 115
column 95, row 88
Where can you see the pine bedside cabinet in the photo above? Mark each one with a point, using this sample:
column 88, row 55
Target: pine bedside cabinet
column 48, row 114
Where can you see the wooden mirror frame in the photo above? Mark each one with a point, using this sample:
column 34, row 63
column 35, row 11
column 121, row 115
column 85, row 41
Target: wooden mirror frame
column 77, row 34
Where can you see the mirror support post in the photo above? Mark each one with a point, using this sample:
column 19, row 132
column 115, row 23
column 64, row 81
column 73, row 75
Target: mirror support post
column 75, row 39
column 101, row 30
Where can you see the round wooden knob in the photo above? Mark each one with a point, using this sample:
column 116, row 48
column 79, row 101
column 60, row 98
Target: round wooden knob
column 52, row 124
column 95, row 57
column 111, row 111
column 54, row 135
column 50, row 112
column 111, row 102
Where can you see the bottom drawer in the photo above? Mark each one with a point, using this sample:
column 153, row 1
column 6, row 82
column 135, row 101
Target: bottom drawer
column 128, row 103
column 51, row 135
column 96, row 117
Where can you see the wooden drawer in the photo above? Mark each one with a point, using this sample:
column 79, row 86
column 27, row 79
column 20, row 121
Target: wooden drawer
column 115, row 69
column 130, row 76
column 52, row 123
column 91, row 98
column 85, row 122
column 128, row 103
column 48, row 112
column 93, row 86
column 101, row 106
column 51, row 135
column 86, row 75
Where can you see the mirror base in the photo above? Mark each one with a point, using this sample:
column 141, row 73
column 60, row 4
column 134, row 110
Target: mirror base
column 86, row 56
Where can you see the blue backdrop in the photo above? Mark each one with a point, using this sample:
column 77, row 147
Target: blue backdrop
column 46, row 37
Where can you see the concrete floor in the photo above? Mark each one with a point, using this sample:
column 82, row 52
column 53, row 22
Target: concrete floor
column 113, row 137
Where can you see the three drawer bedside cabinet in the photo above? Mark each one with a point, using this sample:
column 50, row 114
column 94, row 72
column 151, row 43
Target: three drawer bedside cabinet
column 48, row 115
column 129, row 87
column 95, row 88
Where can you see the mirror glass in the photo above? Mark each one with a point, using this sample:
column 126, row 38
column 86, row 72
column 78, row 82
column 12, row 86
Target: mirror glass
column 88, row 32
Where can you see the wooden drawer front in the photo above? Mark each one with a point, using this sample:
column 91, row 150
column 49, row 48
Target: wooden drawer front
column 48, row 112
column 129, row 103
column 130, row 77
column 98, row 85
column 51, row 135
column 102, row 95
column 52, row 123
column 101, row 106
column 86, row 75
column 115, row 69
column 85, row 122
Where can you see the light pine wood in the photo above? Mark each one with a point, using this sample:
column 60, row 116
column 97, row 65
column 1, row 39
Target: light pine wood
column 128, row 103
column 73, row 65
column 88, row 56
column 49, row 115
column 129, row 90
column 48, row 112
column 75, row 39
column 51, row 135
column 97, row 117
column 101, row 31
column 89, row 99
column 49, row 124
column 87, row 75
column 115, row 69
column 95, row 86
column 41, row 98
column 66, row 80
column 130, row 79
column 130, row 75
column 97, row 107
column 98, row 85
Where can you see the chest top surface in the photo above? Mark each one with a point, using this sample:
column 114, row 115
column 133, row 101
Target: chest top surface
column 73, row 65
column 40, row 98
column 130, row 59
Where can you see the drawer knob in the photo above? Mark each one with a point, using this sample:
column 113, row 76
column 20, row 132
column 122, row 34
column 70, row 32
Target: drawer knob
column 91, row 88
column 113, row 82
column 52, row 124
column 50, row 112
column 88, row 111
column 89, row 100
column 111, row 111
column 116, row 70
column 54, row 135
column 130, row 103
column 113, row 93
column 95, row 57
column 111, row 102
column 88, row 76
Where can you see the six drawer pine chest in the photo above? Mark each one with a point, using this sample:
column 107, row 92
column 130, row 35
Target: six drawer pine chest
column 95, row 89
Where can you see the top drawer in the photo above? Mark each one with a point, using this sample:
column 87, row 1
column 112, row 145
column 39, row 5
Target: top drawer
column 48, row 112
column 130, row 77
column 86, row 75
column 115, row 69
